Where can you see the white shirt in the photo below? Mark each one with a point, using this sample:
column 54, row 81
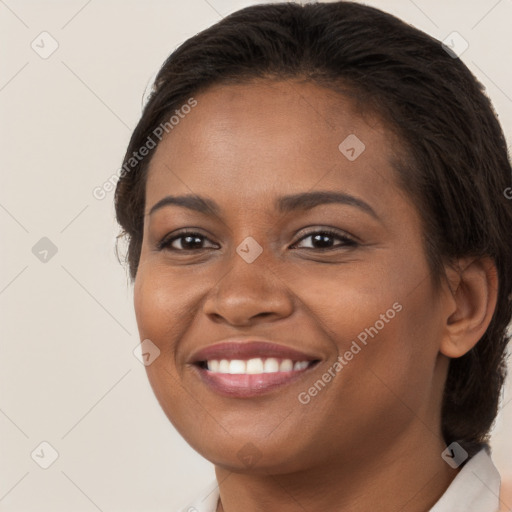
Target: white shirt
column 476, row 488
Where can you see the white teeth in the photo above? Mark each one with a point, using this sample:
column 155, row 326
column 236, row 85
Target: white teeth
column 224, row 366
column 286, row 365
column 236, row 366
column 255, row 366
column 213, row 366
column 271, row 365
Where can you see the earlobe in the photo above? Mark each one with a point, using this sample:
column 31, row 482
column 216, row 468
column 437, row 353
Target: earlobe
column 474, row 291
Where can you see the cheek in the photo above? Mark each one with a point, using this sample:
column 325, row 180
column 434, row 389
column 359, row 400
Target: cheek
column 347, row 300
column 155, row 307
column 160, row 314
column 381, row 319
column 395, row 366
column 148, row 305
column 161, row 306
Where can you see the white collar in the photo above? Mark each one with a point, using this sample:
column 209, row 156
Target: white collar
column 475, row 489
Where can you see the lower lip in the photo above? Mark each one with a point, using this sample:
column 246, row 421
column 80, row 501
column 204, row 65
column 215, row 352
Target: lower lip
column 246, row 386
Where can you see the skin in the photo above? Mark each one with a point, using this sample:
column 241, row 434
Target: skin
column 506, row 496
column 371, row 439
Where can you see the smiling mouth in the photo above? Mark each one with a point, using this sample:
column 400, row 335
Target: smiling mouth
column 254, row 366
column 241, row 368
column 239, row 378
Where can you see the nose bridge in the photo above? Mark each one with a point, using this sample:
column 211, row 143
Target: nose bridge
column 250, row 238
column 249, row 270
column 249, row 287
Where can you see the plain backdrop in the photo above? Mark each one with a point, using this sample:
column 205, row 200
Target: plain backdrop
column 69, row 375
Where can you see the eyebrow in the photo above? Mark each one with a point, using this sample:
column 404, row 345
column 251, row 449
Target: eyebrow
column 285, row 204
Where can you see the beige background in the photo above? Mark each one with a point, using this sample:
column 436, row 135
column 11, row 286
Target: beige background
column 68, row 373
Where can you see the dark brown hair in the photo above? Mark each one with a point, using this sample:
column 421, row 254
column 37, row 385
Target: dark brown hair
column 452, row 158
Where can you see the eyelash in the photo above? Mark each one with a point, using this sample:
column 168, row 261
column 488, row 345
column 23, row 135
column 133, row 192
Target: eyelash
column 166, row 242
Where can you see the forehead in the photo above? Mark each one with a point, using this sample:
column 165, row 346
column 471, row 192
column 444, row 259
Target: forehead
column 256, row 138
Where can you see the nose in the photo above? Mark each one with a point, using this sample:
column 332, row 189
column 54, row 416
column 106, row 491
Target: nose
column 248, row 293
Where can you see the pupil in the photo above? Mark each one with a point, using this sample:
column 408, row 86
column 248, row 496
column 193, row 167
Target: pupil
column 322, row 237
column 189, row 240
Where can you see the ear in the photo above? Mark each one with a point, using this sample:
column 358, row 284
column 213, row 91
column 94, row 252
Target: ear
column 470, row 306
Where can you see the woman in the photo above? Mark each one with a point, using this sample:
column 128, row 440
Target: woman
column 316, row 205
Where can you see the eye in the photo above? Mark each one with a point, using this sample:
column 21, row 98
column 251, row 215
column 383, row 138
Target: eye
column 323, row 238
column 189, row 241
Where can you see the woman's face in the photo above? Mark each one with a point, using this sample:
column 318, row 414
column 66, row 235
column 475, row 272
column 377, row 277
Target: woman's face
column 355, row 308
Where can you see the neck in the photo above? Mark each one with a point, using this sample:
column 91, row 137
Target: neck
column 408, row 475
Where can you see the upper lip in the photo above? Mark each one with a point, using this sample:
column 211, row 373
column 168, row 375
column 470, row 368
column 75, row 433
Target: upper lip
column 247, row 349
